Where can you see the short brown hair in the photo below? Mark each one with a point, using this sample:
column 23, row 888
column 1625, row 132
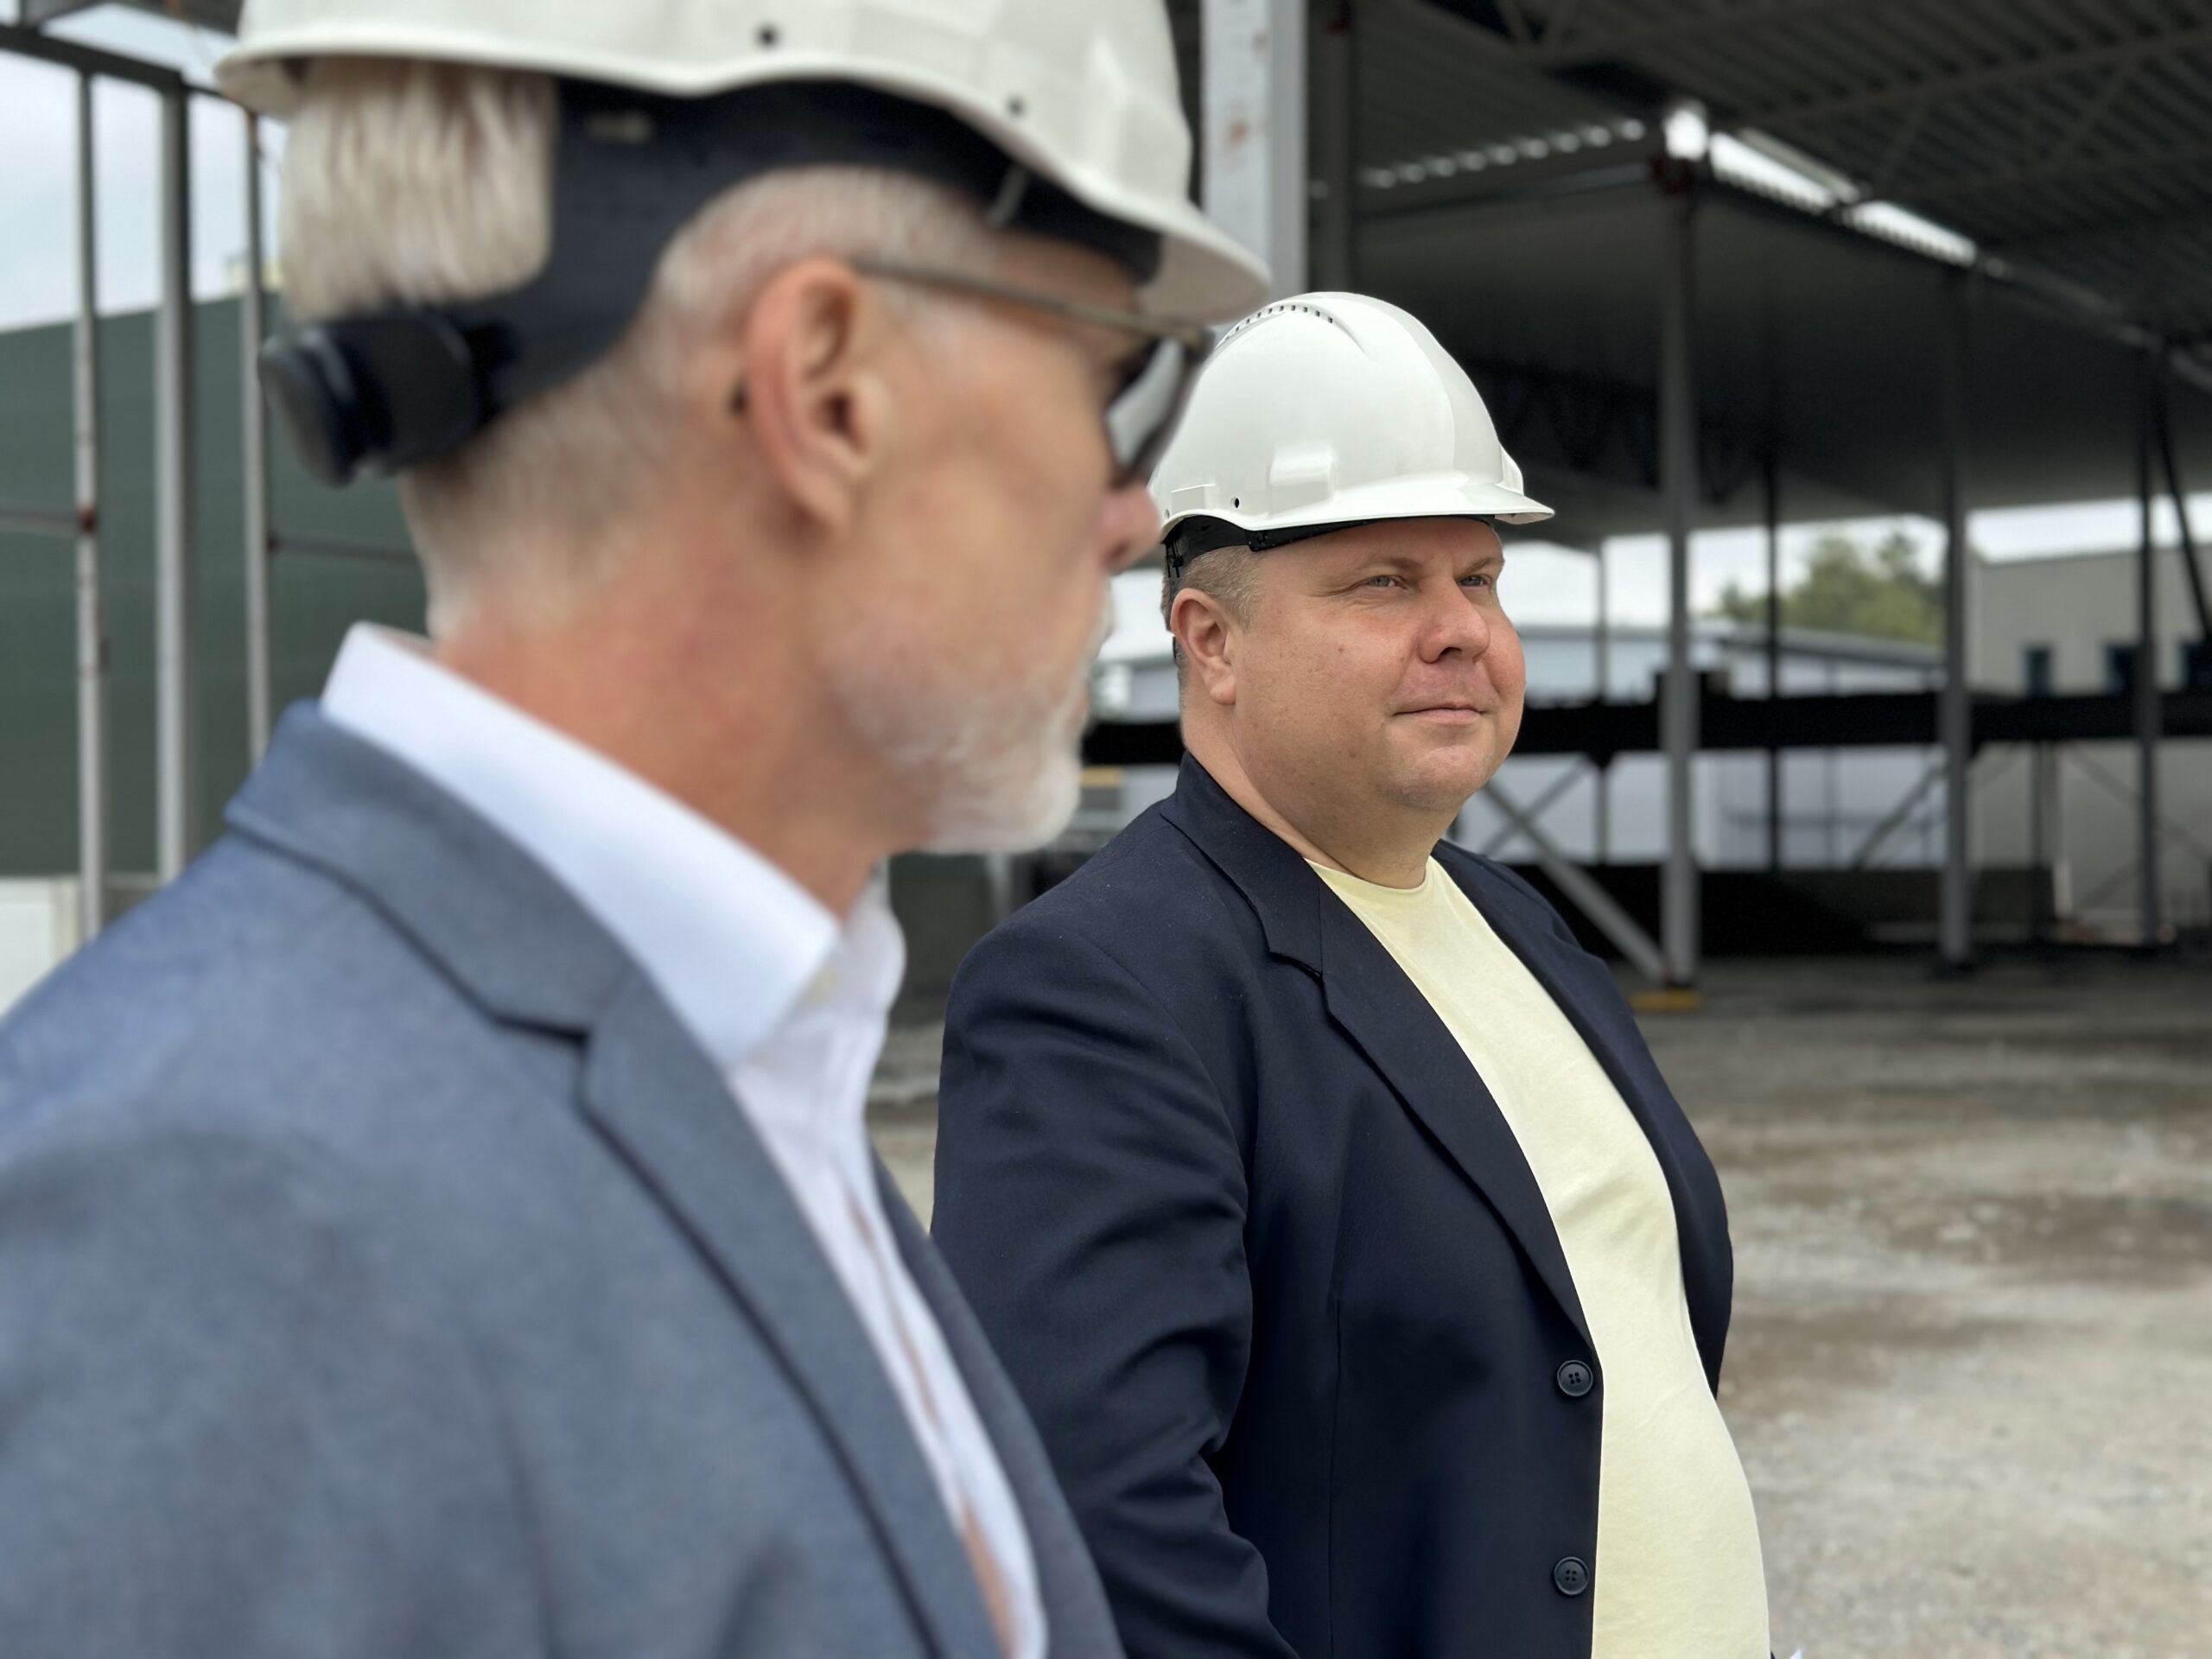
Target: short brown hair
column 1229, row 574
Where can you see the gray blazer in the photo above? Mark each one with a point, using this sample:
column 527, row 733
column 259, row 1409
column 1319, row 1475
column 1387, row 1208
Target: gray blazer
column 384, row 1272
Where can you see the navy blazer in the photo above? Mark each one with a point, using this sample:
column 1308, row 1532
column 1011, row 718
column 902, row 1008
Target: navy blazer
column 1265, row 1259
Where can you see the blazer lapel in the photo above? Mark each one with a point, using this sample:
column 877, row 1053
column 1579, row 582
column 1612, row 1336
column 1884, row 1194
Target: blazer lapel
column 657, row 1098
column 1370, row 996
column 1385, row 1013
column 1581, row 988
column 530, row 955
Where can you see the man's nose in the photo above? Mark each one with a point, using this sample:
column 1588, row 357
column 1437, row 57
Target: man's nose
column 1130, row 526
column 1453, row 622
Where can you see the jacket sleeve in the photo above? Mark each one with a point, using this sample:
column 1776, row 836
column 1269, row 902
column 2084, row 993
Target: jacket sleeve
column 1091, row 1198
column 229, row 1422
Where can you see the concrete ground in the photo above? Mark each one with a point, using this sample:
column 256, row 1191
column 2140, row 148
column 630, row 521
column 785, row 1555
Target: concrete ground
column 1971, row 1368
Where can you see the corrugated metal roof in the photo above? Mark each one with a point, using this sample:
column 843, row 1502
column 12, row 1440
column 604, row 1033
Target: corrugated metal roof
column 2069, row 139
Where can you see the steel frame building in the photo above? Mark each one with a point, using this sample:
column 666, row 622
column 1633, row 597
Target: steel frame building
column 1406, row 146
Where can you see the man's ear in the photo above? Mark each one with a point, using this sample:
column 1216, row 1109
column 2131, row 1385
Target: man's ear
column 810, row 386
column 1207, row 636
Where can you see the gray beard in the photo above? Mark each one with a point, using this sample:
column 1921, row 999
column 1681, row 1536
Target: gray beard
column 997, row 772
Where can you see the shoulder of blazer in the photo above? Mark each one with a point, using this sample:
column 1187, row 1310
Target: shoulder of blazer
column 1175, row 931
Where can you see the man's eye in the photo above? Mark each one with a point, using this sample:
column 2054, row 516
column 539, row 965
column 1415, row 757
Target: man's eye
column 1381, row 582
column 1478, row 581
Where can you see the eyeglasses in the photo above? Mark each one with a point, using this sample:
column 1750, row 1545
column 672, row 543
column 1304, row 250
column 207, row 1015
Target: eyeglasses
column 1141, row 417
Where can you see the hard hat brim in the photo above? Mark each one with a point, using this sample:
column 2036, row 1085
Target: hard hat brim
column 1204, row 275
column 1449, row 496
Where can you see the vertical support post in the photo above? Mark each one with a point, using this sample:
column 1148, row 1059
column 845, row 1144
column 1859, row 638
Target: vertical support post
column 1253, row 59
column 2146, row 665
column 1336, row 144
column 176, row 566
column 1955, row 719
column 254, row 448
column 1602, row 648
column 2040, row 864
column 91, row 621
column 1773, row 654
column 1678, row 709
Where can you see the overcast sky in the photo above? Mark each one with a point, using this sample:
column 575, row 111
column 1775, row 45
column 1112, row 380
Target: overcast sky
column 38, row 284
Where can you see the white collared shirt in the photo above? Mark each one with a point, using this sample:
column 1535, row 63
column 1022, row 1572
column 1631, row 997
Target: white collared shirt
column 791, row 1008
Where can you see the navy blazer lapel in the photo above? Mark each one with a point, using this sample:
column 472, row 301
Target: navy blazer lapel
column 1386, row 1014
column 654, row 1094
column 1580, row 986
column 1382, row 1011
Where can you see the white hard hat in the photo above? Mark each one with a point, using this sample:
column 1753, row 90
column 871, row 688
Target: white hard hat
column 1335, row 409
column 1081, row 93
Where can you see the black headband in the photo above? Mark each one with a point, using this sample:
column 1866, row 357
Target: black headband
column 1195, row 537
column 379, row 393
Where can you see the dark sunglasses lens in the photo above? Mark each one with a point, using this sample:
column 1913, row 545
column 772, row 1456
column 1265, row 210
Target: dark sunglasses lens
column 1141, row 418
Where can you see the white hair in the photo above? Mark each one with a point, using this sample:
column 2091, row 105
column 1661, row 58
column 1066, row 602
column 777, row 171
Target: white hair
column 420, row 183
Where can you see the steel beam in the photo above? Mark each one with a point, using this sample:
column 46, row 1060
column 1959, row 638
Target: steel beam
column 1252, row 60
column 2189, row 565
column 87, row 60
column 1602, row 648
column 91, row 621
column 37, row 519
column 1875, row 719
column 1895, row 818
column 1773, row 653
column 1584, row 892
column 1954, row 930
column 1951, row 84
column 176, row 562
column 1678, row 478
column 1335, row 144
column 2146, row 662
column 1535, row 811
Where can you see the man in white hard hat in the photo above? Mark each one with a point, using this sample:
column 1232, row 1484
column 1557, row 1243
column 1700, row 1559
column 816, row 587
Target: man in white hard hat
column 1367, row 1284
column 443, row 1224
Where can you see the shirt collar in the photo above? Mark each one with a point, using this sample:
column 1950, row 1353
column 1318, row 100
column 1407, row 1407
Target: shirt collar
column 730, row 940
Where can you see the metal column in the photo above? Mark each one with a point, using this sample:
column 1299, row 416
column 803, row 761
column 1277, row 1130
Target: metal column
column 1335, row 148
column 1678, row 709
column 92, row 622
column 1253, row 59
column 1601, row 650
column 254, row 445
column 2041, row 910
column 175, row 566
column 1955, row 716
column 1773, row 655
column 2146, row 665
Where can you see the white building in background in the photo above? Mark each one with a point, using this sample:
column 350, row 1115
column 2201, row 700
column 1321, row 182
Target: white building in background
column 1834, row 801
column 2067, row 626
column 2049, row 625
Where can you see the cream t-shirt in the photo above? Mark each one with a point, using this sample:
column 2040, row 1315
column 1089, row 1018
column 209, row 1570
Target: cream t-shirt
column 1679, row 1573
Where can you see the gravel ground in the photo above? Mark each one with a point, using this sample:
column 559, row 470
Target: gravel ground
column 1971, row 1368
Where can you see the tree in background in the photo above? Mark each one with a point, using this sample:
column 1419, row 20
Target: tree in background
column 1848, row 589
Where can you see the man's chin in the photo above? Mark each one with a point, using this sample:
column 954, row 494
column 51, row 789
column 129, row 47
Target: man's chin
column 1443, row 780
column 1030, row 812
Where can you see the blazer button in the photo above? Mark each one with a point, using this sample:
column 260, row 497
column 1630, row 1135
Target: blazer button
column 1574, row 1379
column 1571, row 1575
